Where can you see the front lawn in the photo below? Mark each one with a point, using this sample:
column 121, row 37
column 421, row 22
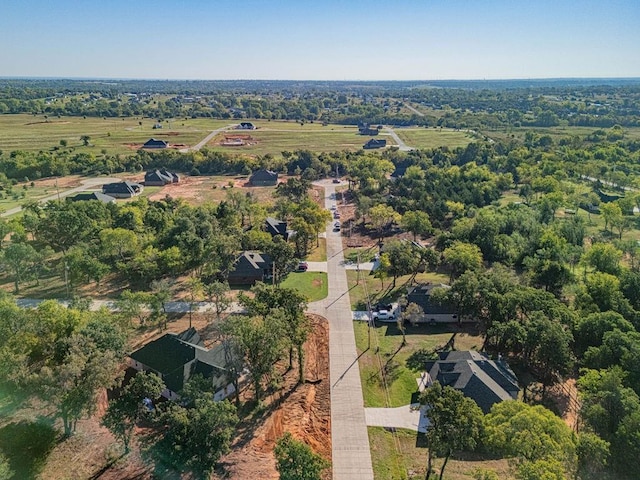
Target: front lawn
column 402, row 455
column 313, row 285
column 386, row 354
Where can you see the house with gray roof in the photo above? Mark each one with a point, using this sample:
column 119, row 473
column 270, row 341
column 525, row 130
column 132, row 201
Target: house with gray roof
column 263, row 178
column 85, row 197
column 478, row 377
column 278, row 228
column 433, row 312
column 249, row 268
column 159, row 178
column 122, row 189
column 177, row 357
column 154, row 143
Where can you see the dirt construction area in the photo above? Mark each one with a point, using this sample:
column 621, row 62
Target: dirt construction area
column 303, row 410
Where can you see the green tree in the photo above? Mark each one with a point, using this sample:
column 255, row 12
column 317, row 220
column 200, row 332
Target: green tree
column 403, row 259
column 282, row 255
column 18, row 259
column 604, row 257
column 218, row 294
column 382, row 216
column 417, row 222
column 462, row 257
column 124, row 413
column 455, row 423
column 259, row 342
column 200, row 435
column 90, row 361
column 296, row 461
column 528, row 433
column 593, row 454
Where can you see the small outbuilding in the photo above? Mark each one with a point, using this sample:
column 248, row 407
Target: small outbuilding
column 246, row 126
column 264, row 178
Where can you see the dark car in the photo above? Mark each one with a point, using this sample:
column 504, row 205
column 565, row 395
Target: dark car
column 302, row 266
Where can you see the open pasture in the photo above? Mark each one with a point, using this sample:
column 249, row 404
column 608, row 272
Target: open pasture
column 276, row 137
column 115, row 135
column 434, row 137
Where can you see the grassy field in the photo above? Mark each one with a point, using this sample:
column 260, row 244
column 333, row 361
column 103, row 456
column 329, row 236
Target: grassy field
column 378, row 293
column 386, row 354
column 311, row 284
column 403, row 456
column 115, row 135
column 434, row 137
column 631, row 133
column 276, row 137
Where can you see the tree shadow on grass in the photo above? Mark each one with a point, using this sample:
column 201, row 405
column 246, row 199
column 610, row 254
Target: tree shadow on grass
column 27, row 446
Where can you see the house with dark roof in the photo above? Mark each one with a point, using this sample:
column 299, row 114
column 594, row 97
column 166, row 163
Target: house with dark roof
column 276, row 228
column 154, row 143
column 365, row 129
column 249, row 268
column 375, row 143
column 478, row 377
column 263, row 178
column 85, row 197
column 159, row 178
column 124, row 189
column 178, row 357
column 246, row 126
column 431, row 311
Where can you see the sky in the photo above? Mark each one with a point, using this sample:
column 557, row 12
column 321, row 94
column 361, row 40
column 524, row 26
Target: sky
column 320, row 40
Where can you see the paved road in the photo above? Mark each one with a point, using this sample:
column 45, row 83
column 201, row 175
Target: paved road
column 87, row 184
column 417, row 112
column 403, row 146
column 410, row 417
column 351, row 457
column 206, row 139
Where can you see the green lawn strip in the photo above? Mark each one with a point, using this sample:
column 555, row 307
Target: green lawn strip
column 319, row 253
column 311, row 284
column 403, row 456
column 386, row 339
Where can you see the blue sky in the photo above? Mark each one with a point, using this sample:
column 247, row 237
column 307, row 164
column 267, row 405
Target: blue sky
column 320, row 40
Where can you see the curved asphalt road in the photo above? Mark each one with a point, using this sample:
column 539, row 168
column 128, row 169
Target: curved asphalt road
column 206, row 139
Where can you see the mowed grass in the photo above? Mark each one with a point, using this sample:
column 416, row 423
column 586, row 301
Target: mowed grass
column 276, row 137
column 381, row 352
column 434, row 137
column 559, row 132
column 312, row 285
column 318, row 253
column 402, row 455
column 115, row 135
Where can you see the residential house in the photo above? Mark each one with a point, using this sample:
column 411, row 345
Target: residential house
column 246, row 126
column 153, row 143
column 178, row 357
column 249, row 268
column 365, row 129
column 160, row 178
column 478, row 377
column 122, row 189
column 263, row 178
column 276, row 228
column 375, row 143
column 432, row 312
column 100, row 197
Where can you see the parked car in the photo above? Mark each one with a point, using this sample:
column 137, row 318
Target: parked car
column 384, row 316
column 336, row 180
column 336, row 227
column 333, row 207
column 336, row 215
column 302, row 266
